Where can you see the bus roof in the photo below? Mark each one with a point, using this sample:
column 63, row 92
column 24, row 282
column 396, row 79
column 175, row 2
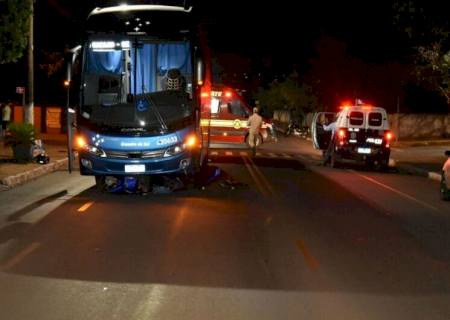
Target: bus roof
column 141, row 7
column 167, row 22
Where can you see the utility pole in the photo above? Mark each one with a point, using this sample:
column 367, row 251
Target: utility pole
column 28, row 109
column 69, row 122
column 398, row 119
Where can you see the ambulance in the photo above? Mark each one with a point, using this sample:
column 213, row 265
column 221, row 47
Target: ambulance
column 225, row 122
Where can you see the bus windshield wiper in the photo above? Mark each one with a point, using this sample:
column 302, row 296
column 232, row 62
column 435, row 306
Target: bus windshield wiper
column 155, row 110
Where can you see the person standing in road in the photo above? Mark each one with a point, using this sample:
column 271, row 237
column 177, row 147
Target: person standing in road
column 6, row 117
column 329, row 127
column 254, row 125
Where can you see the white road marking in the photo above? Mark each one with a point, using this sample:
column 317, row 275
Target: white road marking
column 259, row 186
column 263, row 178
column 407, row 196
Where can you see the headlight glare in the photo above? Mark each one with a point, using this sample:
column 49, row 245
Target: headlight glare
column 95, row 151
column 173, row 150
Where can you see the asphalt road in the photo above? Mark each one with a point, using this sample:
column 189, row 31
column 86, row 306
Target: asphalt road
column 292, row 240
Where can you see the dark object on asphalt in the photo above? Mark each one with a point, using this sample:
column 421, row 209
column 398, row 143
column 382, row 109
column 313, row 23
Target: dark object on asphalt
column 206, row 176
column 141, row 184
column 230, row 184
column 211, row 174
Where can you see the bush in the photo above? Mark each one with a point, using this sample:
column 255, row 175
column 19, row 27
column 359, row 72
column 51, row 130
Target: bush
column 20, row 134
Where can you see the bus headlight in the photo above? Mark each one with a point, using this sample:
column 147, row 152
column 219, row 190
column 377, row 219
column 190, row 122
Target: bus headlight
column 173, row 150
column 190, row 143
column 95, row 151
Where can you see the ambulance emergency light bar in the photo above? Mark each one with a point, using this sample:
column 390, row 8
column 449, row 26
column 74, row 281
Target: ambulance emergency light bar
column 110, row 45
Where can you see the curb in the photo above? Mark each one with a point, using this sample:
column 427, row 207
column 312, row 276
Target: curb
column 416, row 171
column 18, row 179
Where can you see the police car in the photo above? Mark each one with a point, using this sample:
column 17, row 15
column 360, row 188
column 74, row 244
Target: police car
column 362, row 135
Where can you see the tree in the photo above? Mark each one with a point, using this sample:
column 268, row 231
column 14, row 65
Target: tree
column 433, row 68
column 14, row 27
column 288, row 94
column 16, row 34
column 427, row 32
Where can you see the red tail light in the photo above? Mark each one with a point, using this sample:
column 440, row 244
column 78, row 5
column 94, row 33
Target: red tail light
column 228, row 94
column 388, row 136
column 341, row 133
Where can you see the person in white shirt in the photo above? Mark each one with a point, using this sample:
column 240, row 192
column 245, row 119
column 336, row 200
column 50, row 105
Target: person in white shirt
column 254, row 124
column 6, row 117
column 329, row 127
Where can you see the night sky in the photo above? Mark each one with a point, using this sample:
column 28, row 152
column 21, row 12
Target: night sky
column 286, row 31
column 250, row 37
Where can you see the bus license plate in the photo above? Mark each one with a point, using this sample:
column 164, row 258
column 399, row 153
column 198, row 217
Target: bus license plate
column 135, row 168
column 364, row 150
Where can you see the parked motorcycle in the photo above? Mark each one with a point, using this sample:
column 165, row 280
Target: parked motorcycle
column 295, row 129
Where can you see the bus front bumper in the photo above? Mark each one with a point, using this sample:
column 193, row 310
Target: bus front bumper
column 94, row 165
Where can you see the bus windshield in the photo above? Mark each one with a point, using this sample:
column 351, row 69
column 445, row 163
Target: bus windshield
column 137, row 85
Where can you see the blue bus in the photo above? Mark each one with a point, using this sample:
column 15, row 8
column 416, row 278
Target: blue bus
column 138, row 114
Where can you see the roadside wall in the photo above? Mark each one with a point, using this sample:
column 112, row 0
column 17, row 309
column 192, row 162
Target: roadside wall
column 420, row 126
column 415, row 126
column 48, row 120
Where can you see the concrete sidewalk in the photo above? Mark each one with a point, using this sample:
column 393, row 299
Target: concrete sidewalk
column 13, row 174
column 424, row 157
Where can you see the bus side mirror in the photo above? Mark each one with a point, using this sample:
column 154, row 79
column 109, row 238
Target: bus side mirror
column 72, row 55
column 200, row 72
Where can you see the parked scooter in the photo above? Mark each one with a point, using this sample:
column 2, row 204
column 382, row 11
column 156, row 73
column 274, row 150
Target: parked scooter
column 294, row 129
